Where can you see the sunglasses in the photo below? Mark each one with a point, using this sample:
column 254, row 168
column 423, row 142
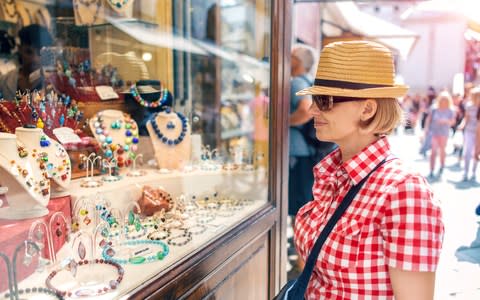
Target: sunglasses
column 325, row 102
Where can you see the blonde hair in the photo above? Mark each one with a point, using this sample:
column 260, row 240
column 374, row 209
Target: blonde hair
column 388, row 116
column 444, row 95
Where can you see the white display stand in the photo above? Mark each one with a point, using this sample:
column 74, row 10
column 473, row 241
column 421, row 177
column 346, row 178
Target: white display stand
column 58, row 165
column 174, row 156
column 23, row 178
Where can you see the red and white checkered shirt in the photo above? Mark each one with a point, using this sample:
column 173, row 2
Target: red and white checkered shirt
column 392, row 222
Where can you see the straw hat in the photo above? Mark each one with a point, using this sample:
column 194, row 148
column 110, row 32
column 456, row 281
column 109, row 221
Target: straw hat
column 360, row 69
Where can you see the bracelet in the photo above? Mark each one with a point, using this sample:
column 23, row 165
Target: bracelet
column 136, row 236
column 160, row 234
column 39, row 290
column 204, row 219
column 202, row 229
column 108, row 253
column 112, row 284
column 174, row 240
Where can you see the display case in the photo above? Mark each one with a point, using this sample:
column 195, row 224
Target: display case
column 143, row 149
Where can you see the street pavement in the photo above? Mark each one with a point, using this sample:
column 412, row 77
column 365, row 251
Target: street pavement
column 458, row 274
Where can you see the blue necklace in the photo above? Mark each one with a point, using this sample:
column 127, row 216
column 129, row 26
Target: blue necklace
column 161, row 136
column 108, row 253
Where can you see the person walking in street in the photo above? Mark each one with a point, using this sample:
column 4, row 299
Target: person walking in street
column 387, row 243
column 469, row 127
column 439, row 121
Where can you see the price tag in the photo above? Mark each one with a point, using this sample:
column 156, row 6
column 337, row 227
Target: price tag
column 65, row 135
column 106, row 92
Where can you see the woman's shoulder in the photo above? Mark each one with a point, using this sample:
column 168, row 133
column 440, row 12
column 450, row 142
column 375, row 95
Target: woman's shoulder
column 396, row 173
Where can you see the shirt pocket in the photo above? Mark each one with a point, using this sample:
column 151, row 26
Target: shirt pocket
column 343, row 245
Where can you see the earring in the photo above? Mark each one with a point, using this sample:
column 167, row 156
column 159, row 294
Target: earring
column 131, row 217
column 82, row 252
column 58, row 231
column 27, row 259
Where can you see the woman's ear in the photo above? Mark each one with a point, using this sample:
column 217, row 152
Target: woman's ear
column 368, row 110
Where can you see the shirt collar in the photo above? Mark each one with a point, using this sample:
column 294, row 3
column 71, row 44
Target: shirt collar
column 366, row 160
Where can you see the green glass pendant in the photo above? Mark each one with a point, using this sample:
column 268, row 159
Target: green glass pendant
column 160, row 255
column 131, row 218
column 137, row 260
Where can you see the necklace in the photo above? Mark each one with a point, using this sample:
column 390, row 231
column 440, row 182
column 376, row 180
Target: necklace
column 161, row 136
column 131, row 137
column 108, row 252
column 15, row 11
column 118, row 5
column 160, row 102
column 87, row 5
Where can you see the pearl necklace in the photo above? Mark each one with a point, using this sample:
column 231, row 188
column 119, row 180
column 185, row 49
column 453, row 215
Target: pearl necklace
column 161, row 136
column 160, row 102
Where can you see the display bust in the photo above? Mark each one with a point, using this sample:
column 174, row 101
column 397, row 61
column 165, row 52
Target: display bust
column 170, row 135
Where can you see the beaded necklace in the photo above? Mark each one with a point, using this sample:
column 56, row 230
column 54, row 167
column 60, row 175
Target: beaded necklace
column 160, row 102
column 161, row 136
column 87, row 5
column 108, row 252
column 131, row 136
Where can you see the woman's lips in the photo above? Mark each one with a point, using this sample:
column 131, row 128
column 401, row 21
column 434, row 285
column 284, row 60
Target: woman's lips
column 319, row 123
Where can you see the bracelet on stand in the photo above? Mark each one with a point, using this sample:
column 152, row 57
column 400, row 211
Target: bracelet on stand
column 112, row 284
column 108, row 253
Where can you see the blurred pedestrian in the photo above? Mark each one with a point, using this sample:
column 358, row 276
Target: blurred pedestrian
column 440, row 119
column 469, row 127
column 300, row 179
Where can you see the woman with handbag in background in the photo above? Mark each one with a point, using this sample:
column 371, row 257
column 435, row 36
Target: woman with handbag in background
column 379, row 224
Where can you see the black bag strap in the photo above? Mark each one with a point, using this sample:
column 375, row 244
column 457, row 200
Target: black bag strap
column 304, row 278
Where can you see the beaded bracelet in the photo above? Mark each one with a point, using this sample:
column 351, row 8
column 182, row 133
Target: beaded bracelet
column 135, row 236
column 202, row 229
column 112, row 284
column 39, row 290
column 160, row 234
column 187, row 236
column 108, row 253
column 204, row 219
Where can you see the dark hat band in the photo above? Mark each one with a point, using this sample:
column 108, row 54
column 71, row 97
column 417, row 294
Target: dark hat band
column 347, row 85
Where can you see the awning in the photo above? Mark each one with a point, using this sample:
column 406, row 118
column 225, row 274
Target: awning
column 341, row 17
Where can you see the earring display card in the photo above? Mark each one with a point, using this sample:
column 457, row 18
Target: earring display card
column 19, row 232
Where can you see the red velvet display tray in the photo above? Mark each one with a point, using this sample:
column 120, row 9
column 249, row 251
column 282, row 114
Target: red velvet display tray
column 14, row 232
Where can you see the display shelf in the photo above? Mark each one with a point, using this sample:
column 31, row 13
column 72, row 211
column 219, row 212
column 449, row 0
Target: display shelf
column 245, row 183
column 233, row 133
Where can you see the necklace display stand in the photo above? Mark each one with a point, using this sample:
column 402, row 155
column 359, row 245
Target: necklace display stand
column 57, row 165
column 28, row 188
column 170, row 135
column 112, row 128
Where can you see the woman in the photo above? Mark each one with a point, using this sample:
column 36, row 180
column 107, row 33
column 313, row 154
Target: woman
column 439, row 121
column 388, row 241
column 469, row 127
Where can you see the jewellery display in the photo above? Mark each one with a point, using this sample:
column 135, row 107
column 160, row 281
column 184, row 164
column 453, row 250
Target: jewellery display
column 166, row 139
column 84, row 290
column 108, row 253
column 162, row 99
